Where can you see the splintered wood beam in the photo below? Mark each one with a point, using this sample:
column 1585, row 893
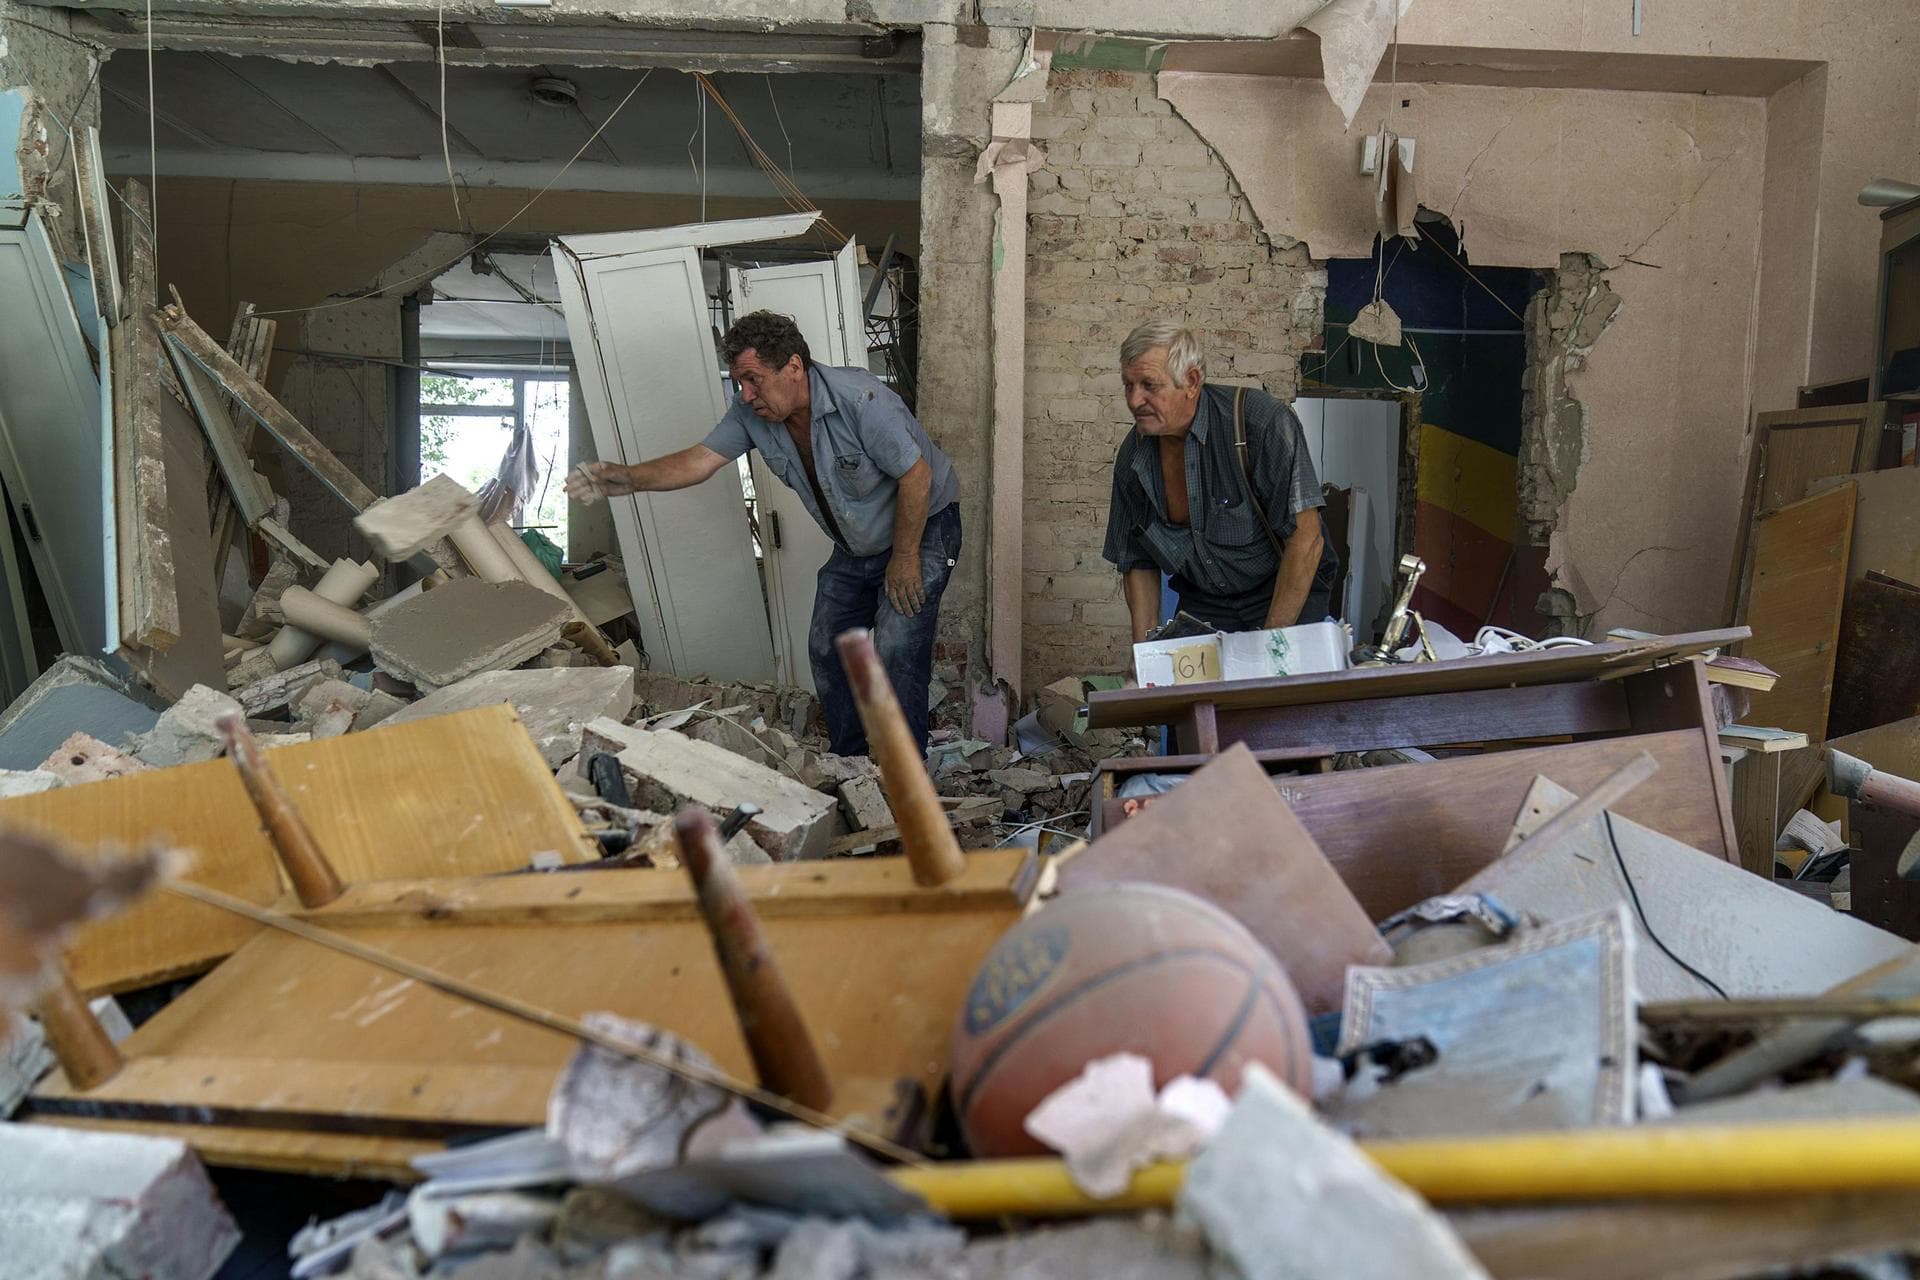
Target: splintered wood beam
column 251, row 343
column 314, row 879
column 925, row 836
column 280, row 422
column 229, row 455
column 777, row 1039
column 80, row 1044
column 149, row 601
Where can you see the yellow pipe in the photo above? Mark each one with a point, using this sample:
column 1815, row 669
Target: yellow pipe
column 1643, row 1162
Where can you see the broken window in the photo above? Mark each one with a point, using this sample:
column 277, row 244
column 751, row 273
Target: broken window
column 468, row 419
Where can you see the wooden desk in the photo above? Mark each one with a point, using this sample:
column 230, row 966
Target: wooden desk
column 1597, row 690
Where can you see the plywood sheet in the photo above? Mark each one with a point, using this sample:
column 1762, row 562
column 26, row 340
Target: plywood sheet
column 289, row 1035
column 1886, row 522
column 1720, row 920
column 1406, row 832
column 459, row 794
column 1799, row 581
column 1791, row 450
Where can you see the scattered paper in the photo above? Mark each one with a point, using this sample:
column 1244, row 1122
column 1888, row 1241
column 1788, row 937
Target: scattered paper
column 1108, row 1122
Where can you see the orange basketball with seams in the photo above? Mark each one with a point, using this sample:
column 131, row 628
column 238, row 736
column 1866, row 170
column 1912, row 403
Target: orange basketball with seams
column 1132, row 968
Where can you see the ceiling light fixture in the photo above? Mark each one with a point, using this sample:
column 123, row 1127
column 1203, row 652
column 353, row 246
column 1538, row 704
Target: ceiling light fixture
column 552, row 91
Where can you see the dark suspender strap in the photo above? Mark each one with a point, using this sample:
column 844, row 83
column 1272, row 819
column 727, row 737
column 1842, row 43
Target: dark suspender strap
column 1240, row 455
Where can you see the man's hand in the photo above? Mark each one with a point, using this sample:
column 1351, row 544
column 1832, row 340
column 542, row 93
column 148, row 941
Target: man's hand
column 592, row 481
column 905, row 589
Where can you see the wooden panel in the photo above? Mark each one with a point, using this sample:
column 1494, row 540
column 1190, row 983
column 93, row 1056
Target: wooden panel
column 1880, row 896
column 1894, row 748
column 1790, row 451
column 1757, row 808
column 458, row 794
column 1119, row 708
column 1886, row 522
column 1435, row 719
column 1799, row 580
column 287, row 1034
column 1406, row 832
column 1680, row 697
column 1876, row 669
column 337, row 1155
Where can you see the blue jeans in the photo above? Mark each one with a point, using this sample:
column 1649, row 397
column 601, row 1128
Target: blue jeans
column 852, row 592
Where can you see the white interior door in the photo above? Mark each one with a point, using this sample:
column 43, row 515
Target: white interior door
column 824, row 300
column 643, row 344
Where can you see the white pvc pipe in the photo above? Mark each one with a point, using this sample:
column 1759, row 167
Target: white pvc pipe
column 330, row 621
column 343, row 584
column 486, row 557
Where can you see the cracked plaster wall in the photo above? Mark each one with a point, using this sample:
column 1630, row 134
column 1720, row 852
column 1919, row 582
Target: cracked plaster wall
column 1663, row 189
column 38, row 53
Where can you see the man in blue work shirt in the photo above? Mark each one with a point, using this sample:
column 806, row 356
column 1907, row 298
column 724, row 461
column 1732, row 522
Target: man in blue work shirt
column 868, row 475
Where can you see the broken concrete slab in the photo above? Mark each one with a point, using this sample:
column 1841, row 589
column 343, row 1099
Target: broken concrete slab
column 413, row 521
column 1025, row 781
column 554, row 703
column 1151, row 1248
column 83, row 1204
column 1283, row 1197
column 864, row 804
column 27, row 782
column 794, row 710
column 74, row 695
column 380, row 707
column 83, row 759
column 325, row 699
column 185, row 733
column 462, row 628
column 671, row 769
column 281, row 688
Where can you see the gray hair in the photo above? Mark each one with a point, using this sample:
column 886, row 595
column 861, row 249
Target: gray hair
column 1183, row 349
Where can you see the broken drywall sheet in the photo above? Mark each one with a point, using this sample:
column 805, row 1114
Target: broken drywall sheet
column 1353, row 36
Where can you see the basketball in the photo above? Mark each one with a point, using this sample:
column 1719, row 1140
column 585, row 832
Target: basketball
column 1132, row 968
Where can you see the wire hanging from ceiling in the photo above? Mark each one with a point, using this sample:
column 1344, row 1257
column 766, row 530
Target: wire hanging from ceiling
column 424, row 276
column 446, row 147
column 783, row 182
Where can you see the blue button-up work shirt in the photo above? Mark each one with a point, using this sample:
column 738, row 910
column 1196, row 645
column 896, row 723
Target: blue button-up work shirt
column 864, row 439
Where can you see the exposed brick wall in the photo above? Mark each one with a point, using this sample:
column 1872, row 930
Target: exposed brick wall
column 1133, row 216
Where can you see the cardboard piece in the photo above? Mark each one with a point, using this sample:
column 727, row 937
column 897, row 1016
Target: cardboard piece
column 1226, row 835
column 1243, row 655
column 1536, row 1033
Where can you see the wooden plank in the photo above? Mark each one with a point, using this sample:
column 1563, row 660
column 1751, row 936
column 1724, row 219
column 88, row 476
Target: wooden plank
column 1435, row 719
column 1403, row 833
column 1227, row 837
column 282, row 425
column 1791, row 450
column 289, row 1034
column 335, row 1155
column 1876, row 667
column 1893, row 748
column 1799, row 579
column 198, row 655
column 458, row 794
column 1880, row 896
column 1757, row 818
column 992, row 878
column 1124, row 708
column 1886, row 522
column 149, row 607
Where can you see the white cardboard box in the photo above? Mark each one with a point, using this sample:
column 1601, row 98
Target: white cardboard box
column 1243, row 655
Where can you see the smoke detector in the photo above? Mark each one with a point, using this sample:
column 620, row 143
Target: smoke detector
column 552, row 91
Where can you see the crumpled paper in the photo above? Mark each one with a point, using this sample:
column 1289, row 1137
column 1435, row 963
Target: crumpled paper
column 1109, row 1122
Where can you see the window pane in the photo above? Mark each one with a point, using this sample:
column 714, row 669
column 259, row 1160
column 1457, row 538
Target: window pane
column 465, row 448
column 446, row 389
